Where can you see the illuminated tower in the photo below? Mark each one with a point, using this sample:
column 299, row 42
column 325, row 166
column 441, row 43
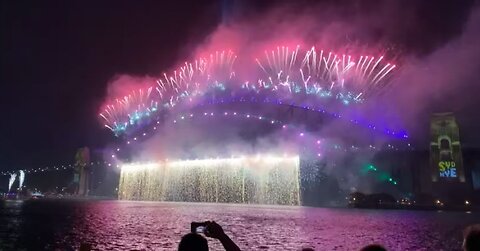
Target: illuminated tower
column 81, row 177
column 446, row 161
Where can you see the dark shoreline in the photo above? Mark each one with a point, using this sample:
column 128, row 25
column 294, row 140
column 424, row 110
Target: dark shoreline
column 420, row 208
column 351, row 206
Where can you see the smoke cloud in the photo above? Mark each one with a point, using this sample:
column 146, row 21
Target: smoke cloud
column 123, row 84
column 443, row 81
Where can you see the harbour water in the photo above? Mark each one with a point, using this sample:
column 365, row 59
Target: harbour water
column 129, row 225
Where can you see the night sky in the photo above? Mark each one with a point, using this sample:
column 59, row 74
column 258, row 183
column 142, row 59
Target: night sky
column 58, row 56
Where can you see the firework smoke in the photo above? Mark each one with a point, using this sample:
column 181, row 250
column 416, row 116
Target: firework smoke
column 444, row 80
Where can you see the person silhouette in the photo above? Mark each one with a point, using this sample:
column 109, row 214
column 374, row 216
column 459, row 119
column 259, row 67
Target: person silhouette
column 373, row 247
column 471, row 238
column 196, row 242
column 193, row 242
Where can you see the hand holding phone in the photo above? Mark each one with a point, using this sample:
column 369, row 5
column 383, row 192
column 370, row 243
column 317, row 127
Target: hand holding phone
column 214, row 230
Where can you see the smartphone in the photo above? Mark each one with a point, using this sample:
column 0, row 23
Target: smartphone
column 198, row 227
column 200, row 230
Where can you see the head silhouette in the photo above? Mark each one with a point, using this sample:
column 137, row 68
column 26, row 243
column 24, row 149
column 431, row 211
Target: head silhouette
column 193, row 242
column 471, row 238
column 373, row 247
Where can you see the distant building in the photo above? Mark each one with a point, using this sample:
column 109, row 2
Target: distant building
column 445, row 171
column 445, row 176
column 81, row 174
column 446, row 160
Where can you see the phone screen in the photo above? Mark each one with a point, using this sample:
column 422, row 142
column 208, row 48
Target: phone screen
column 200, row 229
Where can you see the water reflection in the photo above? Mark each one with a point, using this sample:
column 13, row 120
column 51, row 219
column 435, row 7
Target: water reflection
column 155, row 226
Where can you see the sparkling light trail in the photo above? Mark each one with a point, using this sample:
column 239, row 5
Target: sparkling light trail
column 260, row 179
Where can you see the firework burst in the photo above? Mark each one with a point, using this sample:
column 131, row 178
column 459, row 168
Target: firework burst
column 195, row 78
column 321, row 73
column 129, row 110
column 283, row 70
column 191, row 79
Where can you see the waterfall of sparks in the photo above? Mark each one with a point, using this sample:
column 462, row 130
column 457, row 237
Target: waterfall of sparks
column 254, row 179
column 21, row 179
column 11, row 180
